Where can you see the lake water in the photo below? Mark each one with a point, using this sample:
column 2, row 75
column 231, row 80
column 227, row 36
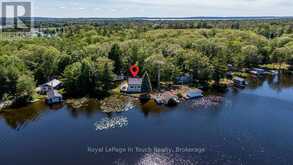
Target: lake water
column 251, row 126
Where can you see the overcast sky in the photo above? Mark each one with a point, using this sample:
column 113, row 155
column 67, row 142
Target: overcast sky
column 161, row 8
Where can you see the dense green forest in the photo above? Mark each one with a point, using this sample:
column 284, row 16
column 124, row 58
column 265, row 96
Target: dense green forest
column 88, row 56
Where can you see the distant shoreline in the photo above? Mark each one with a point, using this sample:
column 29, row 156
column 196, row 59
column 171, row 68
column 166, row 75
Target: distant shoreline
column 171, row 18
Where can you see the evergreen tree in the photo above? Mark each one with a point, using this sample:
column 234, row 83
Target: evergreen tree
column 107, row 78
column 115, row 55
column 146, row 83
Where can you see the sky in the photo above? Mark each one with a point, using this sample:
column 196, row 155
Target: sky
column 160, row 8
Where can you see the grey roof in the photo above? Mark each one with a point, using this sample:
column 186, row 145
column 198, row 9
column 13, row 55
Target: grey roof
column 134, row 81
column 258, row 69
column 53, row 83
column 238, row 79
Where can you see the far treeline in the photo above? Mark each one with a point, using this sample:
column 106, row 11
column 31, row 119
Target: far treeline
column 87, row 57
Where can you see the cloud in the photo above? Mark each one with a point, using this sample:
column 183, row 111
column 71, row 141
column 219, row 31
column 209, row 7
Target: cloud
column 163, row 8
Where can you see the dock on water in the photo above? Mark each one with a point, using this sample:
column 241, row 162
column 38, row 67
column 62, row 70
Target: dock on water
column 172, row 96
column 53, row 97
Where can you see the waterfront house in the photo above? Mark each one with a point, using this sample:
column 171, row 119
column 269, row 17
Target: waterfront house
column 53, row 97
column 134, row 85
column 257, row 71
column 44, row 88
column 230, row 67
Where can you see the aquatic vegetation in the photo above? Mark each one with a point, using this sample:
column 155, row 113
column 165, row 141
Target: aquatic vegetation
column 206, row 102
column 275, row 66
column 164, row 159
column 110, row 123
column 155, row 158
column 240, row 74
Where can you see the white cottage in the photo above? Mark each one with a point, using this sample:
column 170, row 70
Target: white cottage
column 44, row 88
column 134, row 85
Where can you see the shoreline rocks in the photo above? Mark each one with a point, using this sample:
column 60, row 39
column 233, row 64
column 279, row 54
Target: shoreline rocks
column 4, row 105
column 116, row 104
column 77, row 103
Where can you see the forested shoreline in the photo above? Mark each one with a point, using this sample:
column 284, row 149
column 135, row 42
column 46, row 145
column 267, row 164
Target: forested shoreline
column 87, row 57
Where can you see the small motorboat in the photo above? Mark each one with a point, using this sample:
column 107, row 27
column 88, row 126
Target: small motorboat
column 173, row 101
column 124, row 88
column 194, row 93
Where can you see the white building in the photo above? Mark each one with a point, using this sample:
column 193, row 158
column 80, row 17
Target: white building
column 55, row 84
column 134, row 85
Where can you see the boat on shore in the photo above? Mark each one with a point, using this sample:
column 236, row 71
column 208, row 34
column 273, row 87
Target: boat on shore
column 173, row 101
column 193, row 94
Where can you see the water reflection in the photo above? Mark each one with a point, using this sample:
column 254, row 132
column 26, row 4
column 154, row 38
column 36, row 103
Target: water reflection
column 152, row 109
column 280, row 82
column 88, row 108
column 280, row 87
column 18, row 118
column 277, row 82
column 255, row 82
column 251, row 126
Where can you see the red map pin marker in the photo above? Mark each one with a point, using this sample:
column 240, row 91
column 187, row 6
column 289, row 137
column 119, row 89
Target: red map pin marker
column 134, row 70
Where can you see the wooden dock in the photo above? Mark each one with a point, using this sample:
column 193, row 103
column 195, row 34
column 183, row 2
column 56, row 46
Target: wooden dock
column 185, row 92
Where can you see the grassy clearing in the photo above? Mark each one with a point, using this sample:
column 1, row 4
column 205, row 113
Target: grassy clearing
column 275, row 66
column 240, row 74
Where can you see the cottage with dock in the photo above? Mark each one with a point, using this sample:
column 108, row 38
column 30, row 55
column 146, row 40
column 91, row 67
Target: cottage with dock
column 53, row 97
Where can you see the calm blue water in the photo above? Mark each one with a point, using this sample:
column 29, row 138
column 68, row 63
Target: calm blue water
column 251, row 126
